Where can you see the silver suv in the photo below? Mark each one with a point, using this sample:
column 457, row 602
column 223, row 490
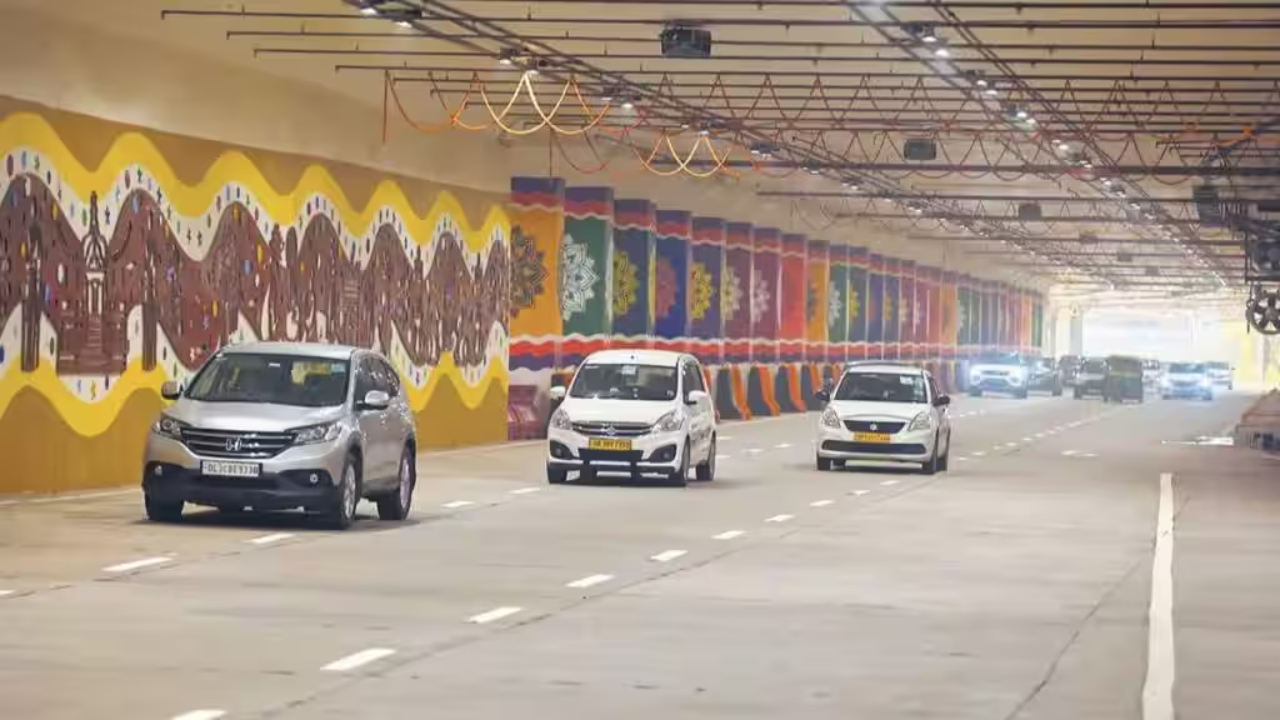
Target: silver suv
column 279, row 426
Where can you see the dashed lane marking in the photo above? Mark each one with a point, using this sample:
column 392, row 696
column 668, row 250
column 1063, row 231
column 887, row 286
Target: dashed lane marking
column 722, row 457
column 782, row 446
column 669, row 555
column 755, row 451
column 1027, row 440
column 821, row 503
column 5, row 593
column 269, row 539
column 889, row 483
column 860, row 493
column 355, row 660
column 137, row 564
column 526, row 490
column 1069, row 453
column 589, row 581
column 979, row 453
column 724, row 438
column 779, row 518
column 729, row 535
column 201, row 715
column 457, row 504
column 493, row 615
column 1088, row 455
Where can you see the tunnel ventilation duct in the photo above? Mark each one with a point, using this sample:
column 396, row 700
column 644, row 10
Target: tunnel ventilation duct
column 1263, row 310
column 1264, row 255
column 682, row 41
column 920, row 150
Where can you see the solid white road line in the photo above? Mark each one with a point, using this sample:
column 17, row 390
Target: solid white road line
column 889, row 483
column 355, row 660
column 268, row 539
column 136, row 564
column 821, row 503
column 457, row 504
column 669, row 555
column 201, row 715
column 589, row 581
column 492, row 615
column 526, row 491
column 1157, row 692
column 779, row 518
column 729, row 535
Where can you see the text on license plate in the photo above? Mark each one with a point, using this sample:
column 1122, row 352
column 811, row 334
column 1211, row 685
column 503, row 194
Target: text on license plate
column 230, row 469
column 608, row 444
column 871, row 437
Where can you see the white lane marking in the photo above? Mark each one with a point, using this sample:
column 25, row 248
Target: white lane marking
column 779, row 518
column 979, row 453
column 782, row 446
column 729, row 535
column 268, row 539
column 997, row 448
column 1040, row 435
column 1088, row 455
column 1027, row 440
column 821, row 503
column 201, row 715
column 457, row 504
column 722, row 457
column 1011, row 444
column 355, row 660
column 4, row 593
column 1157, row 692
column 889, row 483
column 526, row 490
column 755, row 451
column 962, row 459
column 1069, row 453
column 494, row 614
column 589, row 581
column 137, row 564
column 669, row 555
column 860, row 493
column 724, row 438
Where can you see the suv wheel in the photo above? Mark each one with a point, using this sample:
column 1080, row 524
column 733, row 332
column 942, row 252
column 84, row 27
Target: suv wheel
column 395, row 505
column 343, row 513
column 706, row 472
column 168, row 512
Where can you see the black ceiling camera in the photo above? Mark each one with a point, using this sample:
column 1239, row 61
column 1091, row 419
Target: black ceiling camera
column 682, row 41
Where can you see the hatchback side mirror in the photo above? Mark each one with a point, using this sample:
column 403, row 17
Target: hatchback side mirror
column 942, row 401
column 823, row 396
column 375, row 400
column 557, row 393
column 170, row 390
column 696, row 396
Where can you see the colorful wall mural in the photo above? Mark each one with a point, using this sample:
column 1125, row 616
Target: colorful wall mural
column 774, row 314
column 122, row 266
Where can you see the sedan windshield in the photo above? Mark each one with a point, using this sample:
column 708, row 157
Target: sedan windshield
column 999, row 359
column 1186, row 368
column 273, row 379
column 882, row 387
column 625, row 382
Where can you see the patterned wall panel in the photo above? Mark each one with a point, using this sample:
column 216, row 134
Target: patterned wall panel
column 794, row 298
column 670, row 279
column 766, row 280
column 634, row 228
column 736, row 293
column 586, row 269
column 706, row 288
column 837, row 350
column 817, row 305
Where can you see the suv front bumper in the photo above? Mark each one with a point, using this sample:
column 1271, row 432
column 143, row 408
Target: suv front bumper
column 651, row 454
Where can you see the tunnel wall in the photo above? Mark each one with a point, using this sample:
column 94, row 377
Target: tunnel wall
column 772, row 305
column 128, row 257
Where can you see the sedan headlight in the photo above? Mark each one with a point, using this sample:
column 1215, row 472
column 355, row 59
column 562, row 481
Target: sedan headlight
column 560, row 420
column 923, row 421
column 313, row 434
column 167, row 427
column 671, row 422
column 831, row 419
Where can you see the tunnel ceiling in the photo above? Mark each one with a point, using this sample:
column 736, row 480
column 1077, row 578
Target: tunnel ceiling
column 1068, row 138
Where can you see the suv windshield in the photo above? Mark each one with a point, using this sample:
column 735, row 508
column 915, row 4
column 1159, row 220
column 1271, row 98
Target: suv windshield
column 1186, row 368
column 882, row 387
column 625, row 382
column 274, row 379
column 999, row 359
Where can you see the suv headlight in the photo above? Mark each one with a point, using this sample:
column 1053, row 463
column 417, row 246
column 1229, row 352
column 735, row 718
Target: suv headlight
column 167, row 427
column 671, row 422
column 831, row 419
column 313, row 434
column 923, row 421
column 560, row 420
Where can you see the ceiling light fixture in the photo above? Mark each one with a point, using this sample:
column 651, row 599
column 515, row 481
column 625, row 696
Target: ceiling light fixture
column 941, row 51
column 628, row 104
column 368, row 11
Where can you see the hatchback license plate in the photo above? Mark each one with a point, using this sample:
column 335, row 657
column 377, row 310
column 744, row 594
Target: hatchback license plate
column 230, row 469
column 871, row 437
column 609, row 444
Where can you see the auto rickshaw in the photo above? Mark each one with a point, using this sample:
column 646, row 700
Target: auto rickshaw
column 1123, row 380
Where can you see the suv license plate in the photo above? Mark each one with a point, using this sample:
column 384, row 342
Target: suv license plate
column 607, row 444
column 871, row 437
column 230, row 469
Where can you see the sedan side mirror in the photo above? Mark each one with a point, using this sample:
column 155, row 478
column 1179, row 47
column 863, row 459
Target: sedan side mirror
column 696, row 396
column 823, row 396
column 942, row 401
column 170, row 390
column 375, row 400
column 557, row 393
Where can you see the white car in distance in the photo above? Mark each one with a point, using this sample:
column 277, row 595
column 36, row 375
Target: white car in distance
column 633, row 412
column 885, row 412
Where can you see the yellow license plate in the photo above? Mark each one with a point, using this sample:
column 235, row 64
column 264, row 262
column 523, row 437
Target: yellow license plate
column 608, row 444
column 871, row 437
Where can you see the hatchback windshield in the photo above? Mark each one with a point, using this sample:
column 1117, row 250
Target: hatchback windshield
column 625, row 382
column 1186, row 368
column 882, row 387
column 274, row 379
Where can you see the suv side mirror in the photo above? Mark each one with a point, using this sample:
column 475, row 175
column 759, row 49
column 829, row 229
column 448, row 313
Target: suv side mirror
column 823, row 396
column 942, row 401
column 170, row 390
column 696, row 396
column 375, row 400
column 557, row 393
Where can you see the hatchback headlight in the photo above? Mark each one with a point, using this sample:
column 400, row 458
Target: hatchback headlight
column 167, row 427
column 560, row 420
column 313, row 434
column 671, row 422
column 830, row 418
column 923, row 421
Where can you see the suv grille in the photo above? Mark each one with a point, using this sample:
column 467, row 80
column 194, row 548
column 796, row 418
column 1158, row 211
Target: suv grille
column 607, row 429
column 235, row 444
column 879, row 426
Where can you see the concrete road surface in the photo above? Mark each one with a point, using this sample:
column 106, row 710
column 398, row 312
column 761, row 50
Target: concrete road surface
column 1038, row 579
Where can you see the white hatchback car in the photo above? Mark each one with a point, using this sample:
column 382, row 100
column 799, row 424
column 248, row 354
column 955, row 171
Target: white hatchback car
column 885, row 412
column 634, row 412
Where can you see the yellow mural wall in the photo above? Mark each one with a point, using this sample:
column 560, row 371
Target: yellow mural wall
column 128, row 256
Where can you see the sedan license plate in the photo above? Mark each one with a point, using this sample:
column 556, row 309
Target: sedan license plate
column 871, row 437
column 230, row 469
column 609, row 444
